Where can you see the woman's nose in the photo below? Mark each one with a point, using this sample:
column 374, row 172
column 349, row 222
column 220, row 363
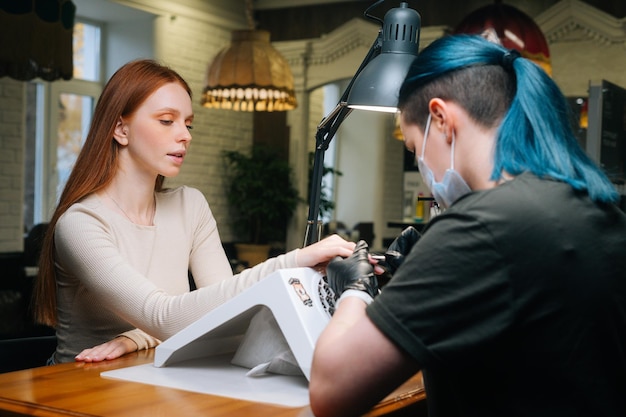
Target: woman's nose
column 185, row 134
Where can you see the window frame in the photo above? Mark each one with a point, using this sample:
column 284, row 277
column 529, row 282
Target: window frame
column 45, row 171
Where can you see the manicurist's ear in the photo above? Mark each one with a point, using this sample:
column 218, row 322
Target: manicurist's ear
column 121, row 132
column 441, row 117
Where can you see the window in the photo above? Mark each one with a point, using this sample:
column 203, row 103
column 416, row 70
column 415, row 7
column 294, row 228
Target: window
column 58, row 117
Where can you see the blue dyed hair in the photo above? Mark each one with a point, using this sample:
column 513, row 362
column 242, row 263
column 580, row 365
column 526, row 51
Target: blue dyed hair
column 497, row 87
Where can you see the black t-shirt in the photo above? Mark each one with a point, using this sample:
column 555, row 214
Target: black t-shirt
column 513, row 302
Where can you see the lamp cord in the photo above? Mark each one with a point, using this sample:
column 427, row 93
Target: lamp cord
column 367, row 14
column 250, row 15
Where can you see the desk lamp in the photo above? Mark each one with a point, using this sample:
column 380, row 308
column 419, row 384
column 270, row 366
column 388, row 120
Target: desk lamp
column 374, row 86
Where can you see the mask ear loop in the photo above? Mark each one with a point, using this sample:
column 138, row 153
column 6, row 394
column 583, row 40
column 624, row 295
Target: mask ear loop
column 425, row 135
column 452, row 154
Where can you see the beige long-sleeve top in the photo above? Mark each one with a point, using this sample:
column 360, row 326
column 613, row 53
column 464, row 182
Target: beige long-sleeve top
column 115, row 277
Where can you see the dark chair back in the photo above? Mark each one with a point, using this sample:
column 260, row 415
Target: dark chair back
column 32, row 244
column 26, row 352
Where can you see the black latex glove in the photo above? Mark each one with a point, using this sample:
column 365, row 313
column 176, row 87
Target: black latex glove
column 353, row 273
column 399, row 248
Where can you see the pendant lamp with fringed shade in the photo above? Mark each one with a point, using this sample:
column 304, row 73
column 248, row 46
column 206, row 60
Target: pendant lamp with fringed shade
column 514, row 29
column 249, row 74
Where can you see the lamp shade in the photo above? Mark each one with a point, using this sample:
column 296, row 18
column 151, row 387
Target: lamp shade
column 36, row 39
column 249, row 75
column 515, row 30
column 377, row 86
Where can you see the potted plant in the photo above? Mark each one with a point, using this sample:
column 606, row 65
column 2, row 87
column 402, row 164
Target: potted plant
column 262, row 198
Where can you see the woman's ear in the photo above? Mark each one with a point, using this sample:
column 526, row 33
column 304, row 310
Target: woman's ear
column 120, row 134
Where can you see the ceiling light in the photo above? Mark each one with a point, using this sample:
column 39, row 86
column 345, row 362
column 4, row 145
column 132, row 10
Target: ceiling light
column 249, row 74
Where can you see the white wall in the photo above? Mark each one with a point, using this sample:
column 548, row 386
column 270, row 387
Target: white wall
column 126, row 42
column 360, row 156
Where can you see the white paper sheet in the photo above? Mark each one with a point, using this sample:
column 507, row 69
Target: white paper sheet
column 216, row 376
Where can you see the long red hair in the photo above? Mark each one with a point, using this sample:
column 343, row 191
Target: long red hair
column 97, row 162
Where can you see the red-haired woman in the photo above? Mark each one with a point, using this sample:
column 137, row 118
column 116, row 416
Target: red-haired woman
column 113, row 269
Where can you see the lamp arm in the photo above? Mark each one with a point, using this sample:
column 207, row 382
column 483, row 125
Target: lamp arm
column 325, row 132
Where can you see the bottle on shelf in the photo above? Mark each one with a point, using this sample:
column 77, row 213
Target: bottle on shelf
column 419, row 208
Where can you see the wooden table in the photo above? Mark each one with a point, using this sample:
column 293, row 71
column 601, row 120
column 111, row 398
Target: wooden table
column 77, row 389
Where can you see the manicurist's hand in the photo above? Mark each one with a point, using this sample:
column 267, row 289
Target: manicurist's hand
column 400, row 248
column 320, row 253
column 353, row 273
column 110, row 350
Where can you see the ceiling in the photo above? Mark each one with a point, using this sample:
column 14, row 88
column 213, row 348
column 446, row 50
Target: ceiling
column 284, row 4
column 313, row 18
column 615, row 7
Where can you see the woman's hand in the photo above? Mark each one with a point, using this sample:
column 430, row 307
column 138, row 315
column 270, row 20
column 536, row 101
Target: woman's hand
column 110, row 350
column 320, row 253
